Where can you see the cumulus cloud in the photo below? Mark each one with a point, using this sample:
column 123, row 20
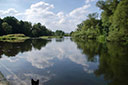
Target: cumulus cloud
column 42, row 12
column 9, row 12
column 87, row 1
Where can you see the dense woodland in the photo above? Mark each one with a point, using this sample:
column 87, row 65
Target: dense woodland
column 11, row 25
column 112, row 25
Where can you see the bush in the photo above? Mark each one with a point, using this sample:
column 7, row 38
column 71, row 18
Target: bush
column 101, row 38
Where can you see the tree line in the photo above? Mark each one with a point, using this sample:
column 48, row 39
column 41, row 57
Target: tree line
column 11, row 25
column 112, row 25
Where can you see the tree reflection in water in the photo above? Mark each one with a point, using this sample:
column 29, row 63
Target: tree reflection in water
column 12, row 49
column 113, row 60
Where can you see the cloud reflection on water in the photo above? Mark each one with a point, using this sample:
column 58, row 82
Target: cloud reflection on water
column 47, row 57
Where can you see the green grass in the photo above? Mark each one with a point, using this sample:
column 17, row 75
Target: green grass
column 48, row 37
column 13, row 38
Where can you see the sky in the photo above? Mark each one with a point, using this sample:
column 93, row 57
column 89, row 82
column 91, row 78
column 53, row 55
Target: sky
column 54, row 14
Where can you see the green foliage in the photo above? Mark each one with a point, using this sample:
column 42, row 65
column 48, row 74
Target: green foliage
column 79, row 34
column 108, row 7
column 119, row 31
column 93, row 16
column 89, row 28
column 59, row 33
column 12, row 21
column 7, row 28
column 112, row 26
column 66, row 34
column 15, row 35
column 114, row 18
column 101, row 38
column 10, row 25
column 25, row 27
column 39, row 30
column 13, row 38
column 116, row 35
column 1, row 30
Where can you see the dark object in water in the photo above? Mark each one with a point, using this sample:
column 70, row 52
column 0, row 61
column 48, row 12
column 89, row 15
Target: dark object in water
column 35, row 82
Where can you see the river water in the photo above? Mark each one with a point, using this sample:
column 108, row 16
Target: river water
column 64, row 61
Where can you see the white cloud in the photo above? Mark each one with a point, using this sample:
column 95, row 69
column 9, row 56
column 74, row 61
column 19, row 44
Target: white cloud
column 9, row 12
column 42, row 12
column 79, row 11
column 87, row 1
column 41, row 5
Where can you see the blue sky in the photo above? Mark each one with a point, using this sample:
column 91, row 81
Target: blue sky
column 55, row 14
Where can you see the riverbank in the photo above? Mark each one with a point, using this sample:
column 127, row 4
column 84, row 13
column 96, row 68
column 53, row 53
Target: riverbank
column 22, row 37
column 13, row 38
column 101, row 39
column 47, row 37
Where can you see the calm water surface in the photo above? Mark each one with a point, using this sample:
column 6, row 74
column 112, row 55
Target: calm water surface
column 64, row 62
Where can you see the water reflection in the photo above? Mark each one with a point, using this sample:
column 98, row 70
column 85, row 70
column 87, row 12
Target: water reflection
column 113, row 60
column 3, row 80
column 64, row 62
column 90, row 48
column 59, row 39
column 114, row 64
column 12, row 49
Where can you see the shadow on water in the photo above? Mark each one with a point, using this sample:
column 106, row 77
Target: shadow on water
column 12, row 49
column 113, row 60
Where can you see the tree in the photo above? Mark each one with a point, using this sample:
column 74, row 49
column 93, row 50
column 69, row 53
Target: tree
column 39, row 30
column 89, row 28
column 59, row 33
column 119, row 30
column 93, row 16
column 13, row 22
column 7, row 28
column 108, row 7
column 14, row 26
column 79, row 26
column 1, row 30
column 25, row 27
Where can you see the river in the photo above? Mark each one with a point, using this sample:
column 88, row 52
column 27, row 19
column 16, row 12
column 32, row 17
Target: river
column 64, row 61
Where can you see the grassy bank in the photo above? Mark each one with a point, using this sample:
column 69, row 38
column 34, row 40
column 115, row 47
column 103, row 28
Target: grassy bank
column 48, row 37
column 13, row 38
